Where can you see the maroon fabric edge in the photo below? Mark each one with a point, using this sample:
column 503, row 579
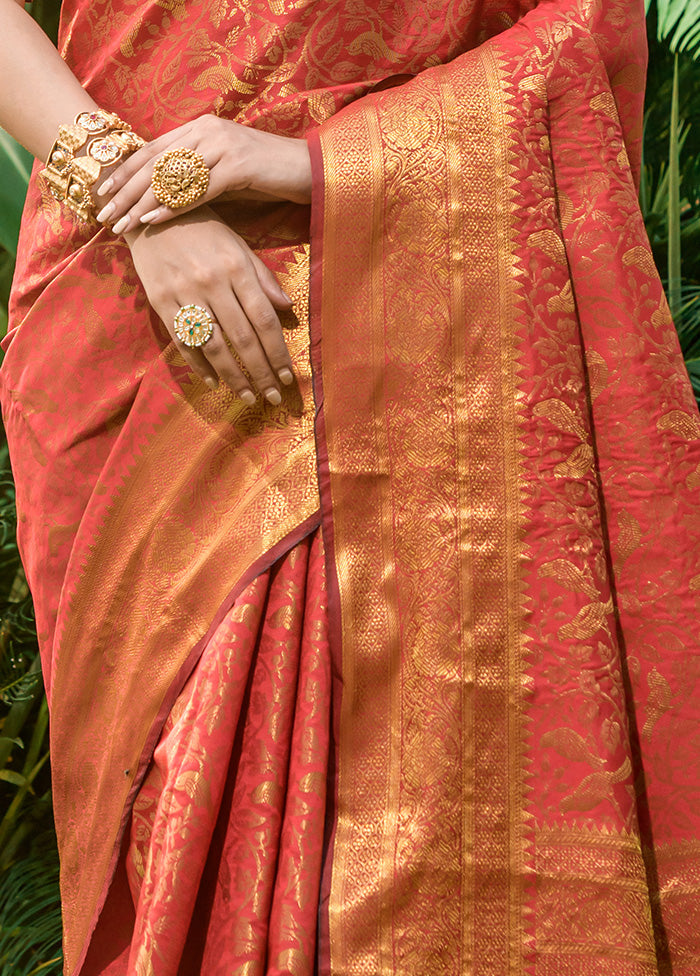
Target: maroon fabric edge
column 304, row 529
column 324, row 483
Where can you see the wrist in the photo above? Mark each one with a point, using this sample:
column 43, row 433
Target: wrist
column 301, row 171
column 281, row 167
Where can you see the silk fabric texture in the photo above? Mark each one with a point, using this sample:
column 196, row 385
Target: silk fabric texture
column 413, row 653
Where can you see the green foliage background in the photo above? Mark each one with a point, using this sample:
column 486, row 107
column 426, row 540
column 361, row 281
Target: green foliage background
column 670, row 202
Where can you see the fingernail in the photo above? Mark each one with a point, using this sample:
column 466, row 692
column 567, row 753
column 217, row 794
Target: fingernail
column 274, row 396
column 211, row 382
column 151, row 215
column 121, row 224
column 248, row 397
column 105, row 213
column 106, row 187
column 286, row 376
column 286, row 295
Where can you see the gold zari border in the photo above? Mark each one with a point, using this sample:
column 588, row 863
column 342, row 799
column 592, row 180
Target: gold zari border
column 423, row 455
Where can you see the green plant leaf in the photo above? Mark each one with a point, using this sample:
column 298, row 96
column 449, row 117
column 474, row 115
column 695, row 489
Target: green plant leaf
column 15, row 166
column 17, row 779
column 693, row 367
column 45, row 966
column 30, row 914
column 47, row 13
column 674, row 202
column 37, row 815
column 678, row 23
column 15, row 742
column 10, row 819
column 19, row 713
column 36, row 743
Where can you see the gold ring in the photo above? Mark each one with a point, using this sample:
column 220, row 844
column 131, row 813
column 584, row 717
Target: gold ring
column 193, row 325
column 179, row 178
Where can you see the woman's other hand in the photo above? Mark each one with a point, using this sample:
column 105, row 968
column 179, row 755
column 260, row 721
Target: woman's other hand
column 199, row 260
column 240, row 160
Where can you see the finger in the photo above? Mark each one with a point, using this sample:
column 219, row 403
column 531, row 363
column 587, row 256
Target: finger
column 244, row 339
column 125, row 201
column 260, row 313
column 194, row 357
column 136, row 199
column 221, row 361
column 157, row 213
column 142, row 160
column 123, row 173
column 270, row 285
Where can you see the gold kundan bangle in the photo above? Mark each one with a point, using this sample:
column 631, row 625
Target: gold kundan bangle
column 70, row 176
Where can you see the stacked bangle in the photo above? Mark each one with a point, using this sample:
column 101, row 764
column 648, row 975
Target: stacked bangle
column 70, row 176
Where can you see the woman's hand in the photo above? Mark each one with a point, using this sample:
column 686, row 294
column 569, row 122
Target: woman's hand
column 240, row 160
column 199, row 260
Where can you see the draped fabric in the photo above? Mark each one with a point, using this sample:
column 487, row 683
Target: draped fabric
column 222, row 860
column 495, row 432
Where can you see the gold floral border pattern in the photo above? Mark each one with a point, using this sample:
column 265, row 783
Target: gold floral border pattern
column 426, row 501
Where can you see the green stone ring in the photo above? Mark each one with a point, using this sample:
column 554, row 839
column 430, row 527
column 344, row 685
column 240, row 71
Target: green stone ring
column 193, row 325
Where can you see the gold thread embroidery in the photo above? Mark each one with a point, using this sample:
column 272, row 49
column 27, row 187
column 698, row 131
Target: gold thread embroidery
column 592, row 897
column 379, row 856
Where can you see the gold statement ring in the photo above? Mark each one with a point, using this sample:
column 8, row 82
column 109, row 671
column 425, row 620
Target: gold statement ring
column 193, row 325
column 180, row 177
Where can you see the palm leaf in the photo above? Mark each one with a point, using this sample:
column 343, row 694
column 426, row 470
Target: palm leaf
column 30, row 914
column 674, row 202
column 678, row 23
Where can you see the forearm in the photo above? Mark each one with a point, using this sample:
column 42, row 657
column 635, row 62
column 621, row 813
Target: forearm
column 32, row 112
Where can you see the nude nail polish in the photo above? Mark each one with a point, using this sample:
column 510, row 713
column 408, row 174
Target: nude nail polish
column 286, row 377
column 105, row 213
column 274, row 396
column 105, row 188
column 151, row 215
column 121, row 224
column 248, row 397
column 211, row 382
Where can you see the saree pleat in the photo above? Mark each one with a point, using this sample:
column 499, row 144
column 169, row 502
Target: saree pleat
column 494, row 427
column 223, row 856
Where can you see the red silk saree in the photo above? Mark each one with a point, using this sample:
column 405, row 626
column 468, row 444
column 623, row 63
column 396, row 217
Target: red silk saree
column 402, row 675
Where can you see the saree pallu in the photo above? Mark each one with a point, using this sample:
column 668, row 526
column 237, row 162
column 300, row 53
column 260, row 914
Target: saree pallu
column 470, row 743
